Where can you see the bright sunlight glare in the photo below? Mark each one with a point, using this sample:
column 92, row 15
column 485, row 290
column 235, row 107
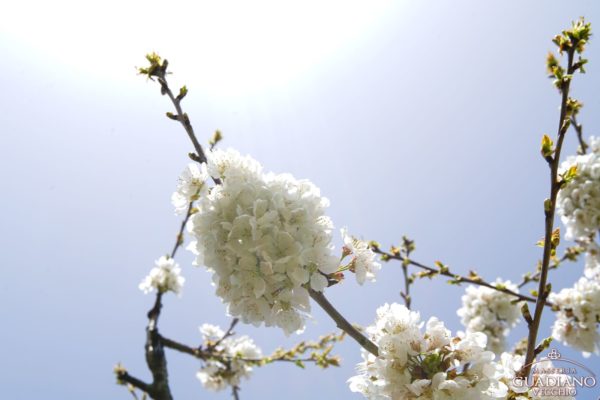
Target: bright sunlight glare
column 228, row 48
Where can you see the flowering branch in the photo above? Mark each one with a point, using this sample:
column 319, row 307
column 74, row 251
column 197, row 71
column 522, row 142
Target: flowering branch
column 158, row 69
column 322, row 360
column 155, row 358
column 572, row 41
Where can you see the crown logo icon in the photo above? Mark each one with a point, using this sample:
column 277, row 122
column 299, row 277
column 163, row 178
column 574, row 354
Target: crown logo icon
column 554, row 355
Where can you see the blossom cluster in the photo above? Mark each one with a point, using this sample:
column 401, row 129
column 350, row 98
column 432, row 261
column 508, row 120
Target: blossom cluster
column 579, row 200
column 165, row 276
column 266, row 239
column 231, row 359
column 424, row 365
column 578, row 307
column 578, row 315
column 363, row 262
column 432, row 364
column 491, row 312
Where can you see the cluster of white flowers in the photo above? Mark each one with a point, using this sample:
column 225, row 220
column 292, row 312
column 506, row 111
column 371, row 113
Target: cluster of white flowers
column 433, row 364
column 227, row 367
column 579, row 200
column 578, row 307
column 266, row 239
column 578, row 315
column 164, row 277
column 425, row 365
column 363, row 263
column 491, row 312
column 191, row 185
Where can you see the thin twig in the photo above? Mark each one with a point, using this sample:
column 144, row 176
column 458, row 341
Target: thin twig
column 235, row 392
column 133, row 381
column 536, row 276
column 133, row 393
column 459, row 278
column 583, row 146
column 182, row 118
column 342, row 323
column 179, row 240
column 406, row 293
column 227, row 334
column 206, row 354
column 543, row 291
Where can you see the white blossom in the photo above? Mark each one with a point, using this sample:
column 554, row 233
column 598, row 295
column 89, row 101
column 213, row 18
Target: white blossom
column 507, row 368
column 363, row 263
column 592, row 261
column 228, row 366
column 191, row 185
column 429, row 364
column 165, row 276
column 579, row 200
column 491, row 312
column 265, row 238
column 578, row 315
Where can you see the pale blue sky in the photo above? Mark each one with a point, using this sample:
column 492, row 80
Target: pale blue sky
column 417, row 118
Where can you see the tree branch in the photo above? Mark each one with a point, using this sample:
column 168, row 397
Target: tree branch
column 579, row 129
column 543, row 290
column 228, row 333
column 342, row 323
column 155, row 359
column 123, row 376
column 459, row 278
column 179, row 240
column 182, row 117
column 206, row 354
column 235, row 392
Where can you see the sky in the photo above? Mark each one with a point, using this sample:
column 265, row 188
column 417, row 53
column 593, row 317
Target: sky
column 417, row 118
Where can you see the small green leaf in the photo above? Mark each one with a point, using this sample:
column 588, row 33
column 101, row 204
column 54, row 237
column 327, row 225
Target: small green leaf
column 547, row 146
column 182, row 92
column 543, row 346
column 547, row 207
column 570, row 174
column 526, row 314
